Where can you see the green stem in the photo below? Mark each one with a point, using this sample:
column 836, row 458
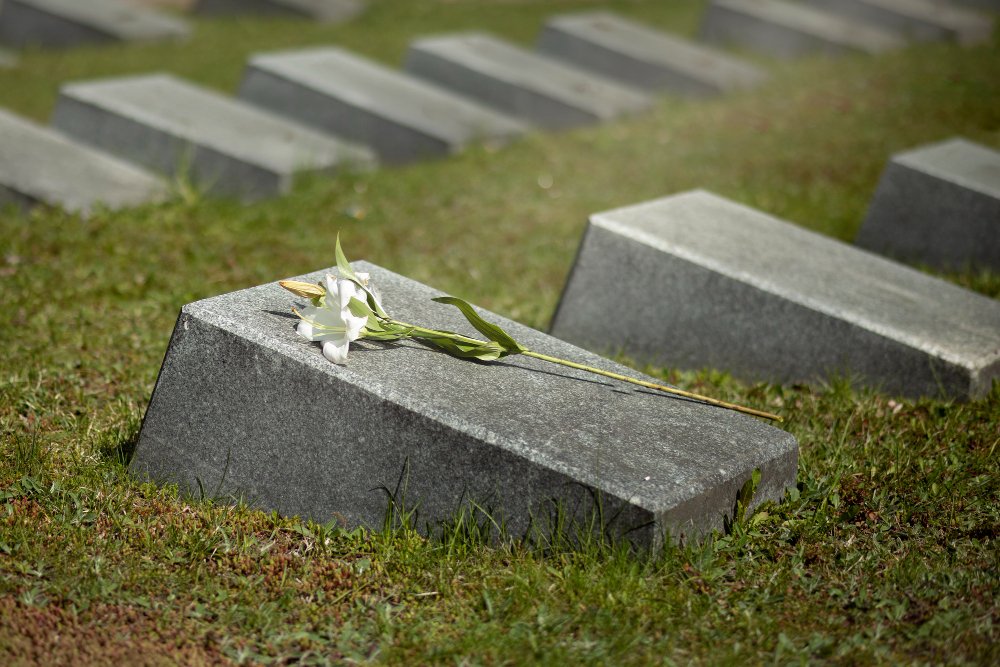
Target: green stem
column 598, row 371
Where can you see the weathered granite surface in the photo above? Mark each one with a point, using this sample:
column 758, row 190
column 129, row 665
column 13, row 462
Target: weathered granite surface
column 925, row 20
column 327, row 11
column 938, row 205
column 528, row 85
column 638, row 55
column 241, row 396
column 67, row 23
column 39, row 165
column 174, row 126
column 789, row 29
column 695, row 280
column 401, row 117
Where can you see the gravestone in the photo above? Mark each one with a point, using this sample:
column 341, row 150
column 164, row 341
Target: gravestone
column 67, row 23
column 988, row 5
column 528, row 85
column 38, row 165
column 925, row 20
column 938, row 205
column 401, row 117
column 695, row 280
column 175, row 127
column 243, row 404
column 632, row 53
column 789, row 29
column 327, row 11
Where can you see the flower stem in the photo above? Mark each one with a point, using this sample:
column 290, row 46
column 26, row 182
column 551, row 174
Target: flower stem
column 660, row 387
column 555, row 360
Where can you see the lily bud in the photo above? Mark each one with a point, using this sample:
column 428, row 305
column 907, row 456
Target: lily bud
column 305, row 290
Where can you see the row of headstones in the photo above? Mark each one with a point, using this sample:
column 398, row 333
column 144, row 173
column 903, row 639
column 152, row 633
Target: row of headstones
column 245, row 405
column 456, row 89
column 68, row 23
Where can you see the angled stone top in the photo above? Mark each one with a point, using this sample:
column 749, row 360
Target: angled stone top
column 799, row 18
column 363, row 83
column 823, row 274
column 40, row 165
column 921, row 19
column 114, row 20
column 644, row 45
column 326, row 11
column 451, row 59
column 241, row 392
column 960, row 161
column 207, row 118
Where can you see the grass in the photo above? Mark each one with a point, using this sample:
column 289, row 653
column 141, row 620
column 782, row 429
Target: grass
column 885, row 553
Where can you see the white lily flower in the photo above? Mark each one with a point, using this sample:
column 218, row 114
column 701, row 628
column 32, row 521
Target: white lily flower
column 369, row 286
column 333, row 324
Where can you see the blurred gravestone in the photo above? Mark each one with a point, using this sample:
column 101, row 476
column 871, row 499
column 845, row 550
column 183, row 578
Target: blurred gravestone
column 38, row 165
column 401, row 117
column 938, row 205
column 176, row 127
column 8, row 59
column 328, row 11
column 528, row 85
column 924, row 20
column 789, row 29
column 695, row 280
column 243, row 404
column 635, row 54
column 67, row 23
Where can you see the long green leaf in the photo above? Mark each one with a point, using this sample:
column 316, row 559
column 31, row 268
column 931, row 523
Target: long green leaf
column 345, row 267
column 491, row 331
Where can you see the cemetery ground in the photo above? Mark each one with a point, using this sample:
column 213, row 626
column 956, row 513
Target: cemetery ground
column 887, row 551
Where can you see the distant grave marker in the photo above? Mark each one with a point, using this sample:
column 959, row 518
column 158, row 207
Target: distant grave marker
column 938, row 205
column 8, row 59
column 789, row 29
column 67, row 23
column 242, row 403
column 695, row 280
column 537, row 88
column 401, row 117
column 327, row 11
column 38, row 165
column 636, row 54
column 173, row 126
column 925, row 20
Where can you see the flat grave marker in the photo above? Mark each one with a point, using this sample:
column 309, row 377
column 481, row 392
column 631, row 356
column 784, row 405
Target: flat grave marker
column 173, row 126
column 8, row 59
column 925, row 20
column 67, row 23
column 326, row 11
column 537, row 88
column 938, row 205
column 630, row 52
column 789, row 29
column 695, row 280
column 38, row 165
column 243, row 403
column 401, row 117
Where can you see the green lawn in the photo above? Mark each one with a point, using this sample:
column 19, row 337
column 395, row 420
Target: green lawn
column 886, row 553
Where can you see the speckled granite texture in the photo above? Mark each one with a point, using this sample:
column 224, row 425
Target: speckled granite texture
column 241, row 395
column 695, row 280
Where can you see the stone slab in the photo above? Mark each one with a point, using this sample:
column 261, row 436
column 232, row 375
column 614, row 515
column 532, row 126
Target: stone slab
column 938, row 205
column 241, row 396
column 695, row 280
column 528, row 85
column 638, row 55
column 38, row 165
column 8, row 59
column 175, row 127
column 68, row 23
column 988, row 5
column 923, row 20
column 401, row 117
column 788, row 29
column 327, row 11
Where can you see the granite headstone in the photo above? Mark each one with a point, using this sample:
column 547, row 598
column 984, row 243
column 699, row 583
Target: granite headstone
column 327, row 11
column 924, row 20
column 695, row 280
